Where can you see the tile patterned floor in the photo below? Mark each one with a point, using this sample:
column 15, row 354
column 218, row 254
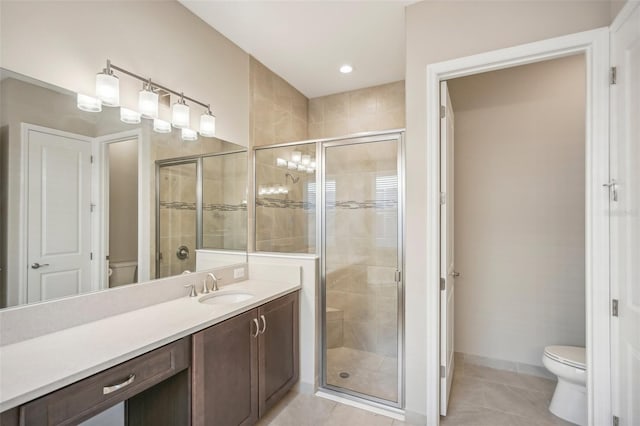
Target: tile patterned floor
column 480, row 396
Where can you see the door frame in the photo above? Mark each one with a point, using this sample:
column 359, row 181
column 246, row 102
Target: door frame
column 100, row 189
column 594, row 44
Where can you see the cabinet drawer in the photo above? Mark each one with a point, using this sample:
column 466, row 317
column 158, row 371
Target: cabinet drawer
column 84, row 399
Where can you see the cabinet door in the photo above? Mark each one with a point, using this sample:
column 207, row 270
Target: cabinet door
column 225, row 373
column 278, row 354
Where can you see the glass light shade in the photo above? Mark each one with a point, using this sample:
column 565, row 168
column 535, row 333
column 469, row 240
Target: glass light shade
column 208, row 125
column 296, row 156
column 161, row 126
column 148, row 104
column 89, row 103
column 310, row 170
column 180, row 115
column 306, row 159
column 129, row 116
column 108, row 89
column 302, row 168
column 312, row 164
column 281, row 162
column 189, row 135
column 262, row 190
column 291, row 165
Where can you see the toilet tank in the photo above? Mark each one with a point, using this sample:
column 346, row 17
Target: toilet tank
column 121, row 273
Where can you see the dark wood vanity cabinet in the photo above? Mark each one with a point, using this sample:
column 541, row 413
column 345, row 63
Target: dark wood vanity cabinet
column 244, row 365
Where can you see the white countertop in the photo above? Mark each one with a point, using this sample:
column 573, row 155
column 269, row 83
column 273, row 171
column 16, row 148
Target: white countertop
column 35, row 367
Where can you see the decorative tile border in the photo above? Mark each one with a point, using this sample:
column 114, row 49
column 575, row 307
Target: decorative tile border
column 180, row 205
column 279, row 203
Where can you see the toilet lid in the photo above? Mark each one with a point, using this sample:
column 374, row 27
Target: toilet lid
column 569, row 355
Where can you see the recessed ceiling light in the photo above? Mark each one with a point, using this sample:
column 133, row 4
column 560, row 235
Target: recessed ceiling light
column 346, row 69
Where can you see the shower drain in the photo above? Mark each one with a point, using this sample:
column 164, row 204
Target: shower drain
column 344, row 375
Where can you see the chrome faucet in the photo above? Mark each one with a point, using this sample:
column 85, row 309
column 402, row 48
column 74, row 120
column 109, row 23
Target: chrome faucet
column 214, row 284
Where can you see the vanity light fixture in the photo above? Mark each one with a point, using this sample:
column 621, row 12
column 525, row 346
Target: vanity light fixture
column 180, row 114
column 148, row 101
column 296, row 156
column 88, row 103
column 299, row 161
column 306, row 159
column 208, row 124
column 108, row 94
column 108, row 87
column 281, row 162
column 189, row 135
column 291, row 165
column 129, row 116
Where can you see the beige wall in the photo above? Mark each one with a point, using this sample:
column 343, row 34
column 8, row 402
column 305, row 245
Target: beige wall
column 66, row 43
column 123, row 201
column 616, row 7
column 364, row 110
column 437, row 31
column 278, row 111
column 519, row 210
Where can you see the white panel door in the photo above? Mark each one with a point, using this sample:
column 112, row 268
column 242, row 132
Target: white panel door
column 447, row 267
column 59, row 214
column 625, row 219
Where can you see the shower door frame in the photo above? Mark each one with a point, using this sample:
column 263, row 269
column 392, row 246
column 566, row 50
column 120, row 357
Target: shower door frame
column 363, row 138
column 198, row 161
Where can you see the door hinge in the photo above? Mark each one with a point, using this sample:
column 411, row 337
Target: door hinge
column 443, row 284
column 91, row 256
column 616, row 421
column 613, row 75
column 92, row 207
column 443, row 371
column 398, row 276
column 443, row 198
column 443, row 111
column 91, row 158
column 614, row 307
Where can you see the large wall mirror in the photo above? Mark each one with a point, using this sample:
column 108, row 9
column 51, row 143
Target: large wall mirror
column 89, row 202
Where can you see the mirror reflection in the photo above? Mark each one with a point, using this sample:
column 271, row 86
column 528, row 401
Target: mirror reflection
column 91, row 203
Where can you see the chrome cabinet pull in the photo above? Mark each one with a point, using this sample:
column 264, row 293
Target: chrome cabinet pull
column 108, row 389
column 264, row 324
column 37, row 265
column 255, row 321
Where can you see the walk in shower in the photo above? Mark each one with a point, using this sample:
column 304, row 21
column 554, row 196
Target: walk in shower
column 357, row 215
column 200, row 204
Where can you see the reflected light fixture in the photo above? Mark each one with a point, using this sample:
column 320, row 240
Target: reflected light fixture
column 189, row 134
column 88, row 103
column 291, row 165
column 281, row 162
column 208, row 124
column 161, row 126
column 108, row 87
column 306, row 159
column 129, row 116
column 148, row 101
column 346, row 69
column 296, row 156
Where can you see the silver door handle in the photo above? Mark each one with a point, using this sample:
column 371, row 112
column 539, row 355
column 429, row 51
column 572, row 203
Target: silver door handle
column 255, row 321
column 455, row 274
column 264, row 324
column 108, row 389
column 37, row 265
column 613, row 189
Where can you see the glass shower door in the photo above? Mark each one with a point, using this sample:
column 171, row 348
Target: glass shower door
column 177, row 217
column 362, row 260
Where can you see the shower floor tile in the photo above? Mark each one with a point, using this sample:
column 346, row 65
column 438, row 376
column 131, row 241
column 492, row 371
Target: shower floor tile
column 368, row 373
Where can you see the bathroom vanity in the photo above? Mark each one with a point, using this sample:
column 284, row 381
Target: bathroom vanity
column 182, row 362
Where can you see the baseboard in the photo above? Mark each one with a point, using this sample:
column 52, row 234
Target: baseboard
column 415, row 418
column 500, row 364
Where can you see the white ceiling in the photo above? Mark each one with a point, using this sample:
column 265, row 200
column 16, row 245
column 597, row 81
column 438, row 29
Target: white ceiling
column 305, row 42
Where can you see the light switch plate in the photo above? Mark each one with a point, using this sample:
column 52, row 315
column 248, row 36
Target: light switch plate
column 238, row 273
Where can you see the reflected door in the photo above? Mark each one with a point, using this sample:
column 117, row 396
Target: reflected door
column 176, row 231
column 362, row 262
column 59, row 214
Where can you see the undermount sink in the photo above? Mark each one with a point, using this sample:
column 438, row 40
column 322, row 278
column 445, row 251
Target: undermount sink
column 226, row 298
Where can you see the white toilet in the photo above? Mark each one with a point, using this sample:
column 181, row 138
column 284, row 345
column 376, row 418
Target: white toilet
column 570, row 397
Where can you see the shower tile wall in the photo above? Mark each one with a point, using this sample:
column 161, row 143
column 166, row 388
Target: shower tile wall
column 365, row 110
column 278, row 112
column 178, row 217
column 224, row 214
column 285, row 222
